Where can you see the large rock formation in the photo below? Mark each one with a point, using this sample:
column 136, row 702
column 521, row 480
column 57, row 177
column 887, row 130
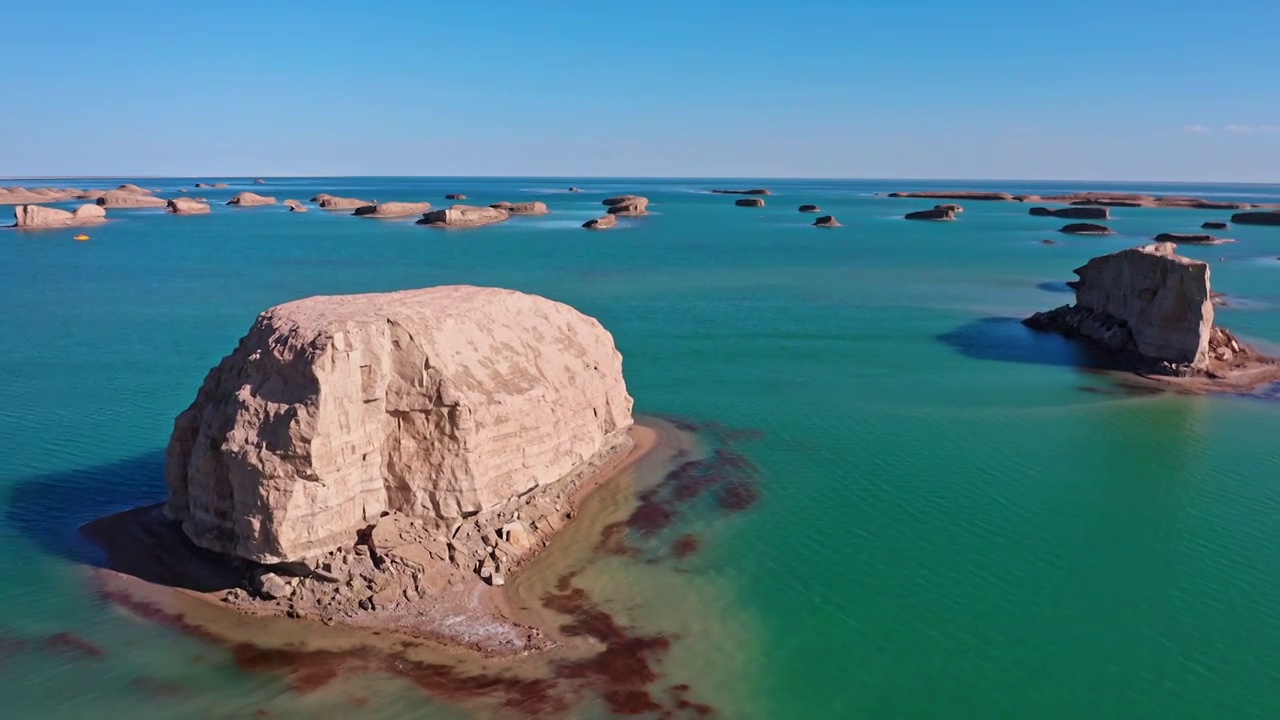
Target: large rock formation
column 129, row 199
column 33, row 196
column 749, row 202
column 464, row 216
column 939, row 212
column 522, row 208
column 131, row 188
column 295, row 205
column 1191, row 239
column 332, row 202
column 1256, row 218
column 1075, row 213
column 188, row 206
column 437, row 405
column 627, row 205
column 39, row 216
column 1085, row 229
column 826, row 221
column 248, row 199
column 604, row 222
column 1147, row 305
column 392, row 209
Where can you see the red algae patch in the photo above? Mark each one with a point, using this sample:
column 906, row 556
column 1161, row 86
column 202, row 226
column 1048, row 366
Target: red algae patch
column 68, row 644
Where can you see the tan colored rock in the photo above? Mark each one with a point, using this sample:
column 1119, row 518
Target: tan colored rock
column 627, row 205
column 1146, row 300
column 522, row 208
column 464, row 216
column 248, row 199
column 438, row 403
column 332, row 202
column 39, row 216
column 188, row 206
column 295, row 206
column 392, row 209
column 603, row 222
column 129, row 199
column 131, row 188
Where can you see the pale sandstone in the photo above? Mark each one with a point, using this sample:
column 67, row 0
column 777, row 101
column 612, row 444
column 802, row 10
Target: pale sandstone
column 188, row 206
column 627, row 205
column 129, row 199
column 464, row 216
column 39, row 216
column 248, row 199
column 332, row 202
column 522, row 208
column 295, row 206
column 392, row 209
column 438, row 405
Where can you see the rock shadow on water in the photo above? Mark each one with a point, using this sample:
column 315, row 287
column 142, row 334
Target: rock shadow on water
column 1006, row 339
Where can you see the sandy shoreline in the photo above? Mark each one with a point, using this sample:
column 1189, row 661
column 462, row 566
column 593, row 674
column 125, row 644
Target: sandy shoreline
column 143, row 568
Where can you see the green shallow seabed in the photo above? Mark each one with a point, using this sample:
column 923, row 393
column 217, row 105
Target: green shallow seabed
column 956, row 520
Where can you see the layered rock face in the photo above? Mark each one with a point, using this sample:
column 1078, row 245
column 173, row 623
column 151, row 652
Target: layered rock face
column 129, row 199
column 436, row 404
column 627, row 205
column 247, row 199
column 188, row 206
column 1147, row 301
column 38, row 216
column 523, row 208
column 331, row 202
column 392, row 209
column 464, row 216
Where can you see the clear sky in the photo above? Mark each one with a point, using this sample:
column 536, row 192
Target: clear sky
column 1150, row 90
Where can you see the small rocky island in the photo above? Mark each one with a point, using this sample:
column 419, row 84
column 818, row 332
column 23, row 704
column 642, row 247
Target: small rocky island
column 1152, row 310
column 372, row 459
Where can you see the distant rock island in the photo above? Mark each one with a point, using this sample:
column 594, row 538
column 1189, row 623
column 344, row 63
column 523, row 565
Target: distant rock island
column 1152, row 310
column 1099, row 198
column 753, row 191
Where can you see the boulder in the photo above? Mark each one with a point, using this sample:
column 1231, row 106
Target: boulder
column 270, row 586
column 1214, row 225
column 603, row 222
column 128, row 199
column 939, row 212
column 810, row 208
column 1085, row 229
column 187, row 206
column 826, row 221
column 522, row 208
column 247, row 199
column 1191, row 239
column 1088, row 212
column 455, row 196
column 463, row 216
column 749, row 202
column 755, row 191
column 574, row 189
column 295, row 206
column 627, row 205
column 331, row 202
column 1269, row 217
column 439, row 404
column 39, row 216
column 392, row 209
column 1146, row 301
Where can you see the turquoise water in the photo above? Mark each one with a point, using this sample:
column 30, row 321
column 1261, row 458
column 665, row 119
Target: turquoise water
column 956, row 520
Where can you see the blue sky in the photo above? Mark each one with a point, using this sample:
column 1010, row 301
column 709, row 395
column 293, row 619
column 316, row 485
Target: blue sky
column 1169, row 90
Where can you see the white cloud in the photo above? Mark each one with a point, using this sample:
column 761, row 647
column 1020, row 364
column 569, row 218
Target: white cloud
column 1197, row 129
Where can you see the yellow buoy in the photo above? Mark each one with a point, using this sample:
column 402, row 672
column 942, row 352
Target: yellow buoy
column 82, row 237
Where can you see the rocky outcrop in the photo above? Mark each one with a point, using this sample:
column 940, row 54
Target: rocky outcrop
column 574, row 189
column 128, row 199
column 939, row 212
column 39, row 216
column 1085, row 229
column 295, row 206
column 455, row 196
column 464, row 216
column 1074, row 213
column 826, row 221
column 1214, row 225
column 627, row 205
column 439, row 405
column 131, row 188
column 810, row 209
column 1256, row 218
column 603, row 222
column 522, row 208
column 1147, row 305
column 392, row 209
column 955, row 209
column 754, row 191
column 35, row 196
column 248, row 199
column 749, row 202
column 187, row 206
column 954, row 195
column 211, row 185
column 332, row 202
column 1191, row 239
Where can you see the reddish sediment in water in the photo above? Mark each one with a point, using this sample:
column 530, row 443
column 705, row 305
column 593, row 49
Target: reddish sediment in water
column 684, row 546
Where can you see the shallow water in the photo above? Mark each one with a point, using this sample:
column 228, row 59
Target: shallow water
column 955, row 520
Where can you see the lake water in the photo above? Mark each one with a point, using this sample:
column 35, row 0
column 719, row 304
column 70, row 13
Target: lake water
column 956, row 520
